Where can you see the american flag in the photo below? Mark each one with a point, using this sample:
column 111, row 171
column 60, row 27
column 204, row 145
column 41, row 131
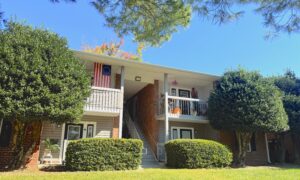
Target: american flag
column 102, row 75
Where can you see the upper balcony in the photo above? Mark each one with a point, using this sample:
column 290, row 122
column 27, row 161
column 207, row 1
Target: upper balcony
column 183, row 109
column 107, row 101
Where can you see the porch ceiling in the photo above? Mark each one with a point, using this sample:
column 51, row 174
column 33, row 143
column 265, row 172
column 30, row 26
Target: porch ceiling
column 132, row 87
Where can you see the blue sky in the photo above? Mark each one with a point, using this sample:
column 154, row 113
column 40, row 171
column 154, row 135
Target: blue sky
column 203, row 46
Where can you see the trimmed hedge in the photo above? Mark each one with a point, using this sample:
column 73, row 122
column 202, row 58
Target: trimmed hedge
column 103, row 154
column 197, row 153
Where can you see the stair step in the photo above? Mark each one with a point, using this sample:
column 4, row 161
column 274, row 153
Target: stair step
column 149, row 157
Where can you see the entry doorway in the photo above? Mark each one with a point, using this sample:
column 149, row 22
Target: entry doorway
column 77, row 131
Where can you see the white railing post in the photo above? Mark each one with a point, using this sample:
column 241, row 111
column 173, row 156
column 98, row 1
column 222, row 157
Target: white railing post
column 121, row 101
column 166, row 90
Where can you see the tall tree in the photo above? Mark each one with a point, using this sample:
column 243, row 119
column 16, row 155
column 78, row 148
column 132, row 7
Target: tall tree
column 154, row 21
column 290, row 85
column 40, row 80
column 244, row 102
column 114, row 49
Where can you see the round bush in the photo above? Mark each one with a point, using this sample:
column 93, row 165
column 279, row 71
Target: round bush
column 197, row 153
column 103, row 154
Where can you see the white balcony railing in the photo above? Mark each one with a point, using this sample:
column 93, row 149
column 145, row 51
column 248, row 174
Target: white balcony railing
column 184, row 106
column 104, row 100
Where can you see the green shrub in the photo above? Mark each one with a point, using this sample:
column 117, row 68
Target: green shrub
column 103, row 154
column 197, row 153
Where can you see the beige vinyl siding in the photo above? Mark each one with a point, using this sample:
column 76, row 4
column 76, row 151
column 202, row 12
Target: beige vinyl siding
column 201, row 131
column 51, row 131
column 104, row 125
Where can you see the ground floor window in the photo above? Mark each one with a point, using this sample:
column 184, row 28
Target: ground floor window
column 80, row 130
column 182, row 133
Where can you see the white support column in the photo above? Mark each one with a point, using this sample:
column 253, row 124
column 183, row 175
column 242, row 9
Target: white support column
column 267, row 148
column 122, row 99
column 166, row 91
column 62, row 142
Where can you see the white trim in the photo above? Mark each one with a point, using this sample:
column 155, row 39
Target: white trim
column 178, row 131
column 267, row 148
column 105, row 89
column 166, row 89
column 185, row 99
column 62, row 144
column 84, row 131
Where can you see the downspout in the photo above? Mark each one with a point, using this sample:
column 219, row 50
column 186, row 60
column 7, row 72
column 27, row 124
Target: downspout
column 267, row 148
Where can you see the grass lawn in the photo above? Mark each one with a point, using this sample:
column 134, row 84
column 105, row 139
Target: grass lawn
column 228, row 173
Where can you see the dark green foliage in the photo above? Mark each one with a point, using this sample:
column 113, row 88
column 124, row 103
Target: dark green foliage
column 290, row 86
column 104, row 154
column 245, row 101
column 40, row 78
column 292, row 108
column 152, row 22
column 197, row 153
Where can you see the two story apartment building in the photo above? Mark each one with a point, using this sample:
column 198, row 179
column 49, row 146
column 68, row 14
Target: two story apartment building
column 133, row 99
column 160, row 104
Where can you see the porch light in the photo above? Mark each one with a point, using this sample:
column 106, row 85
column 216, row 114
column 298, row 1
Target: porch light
column 138, row 78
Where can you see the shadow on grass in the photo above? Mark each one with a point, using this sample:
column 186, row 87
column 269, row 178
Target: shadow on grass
column 53, row 168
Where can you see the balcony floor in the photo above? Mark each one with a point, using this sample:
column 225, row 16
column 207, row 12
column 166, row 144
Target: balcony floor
column 184, row 118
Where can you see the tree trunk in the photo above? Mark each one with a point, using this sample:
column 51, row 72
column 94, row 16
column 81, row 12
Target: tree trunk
column 243, row 140
column 21, row 150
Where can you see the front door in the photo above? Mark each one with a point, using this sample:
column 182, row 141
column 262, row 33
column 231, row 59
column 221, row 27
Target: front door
column 184, row 105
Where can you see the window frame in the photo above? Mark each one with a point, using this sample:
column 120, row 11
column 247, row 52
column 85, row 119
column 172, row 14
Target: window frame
column 178, row 131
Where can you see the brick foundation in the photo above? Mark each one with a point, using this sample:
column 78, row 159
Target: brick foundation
column 6, row 153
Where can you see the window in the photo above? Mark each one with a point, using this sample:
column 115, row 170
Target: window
column 173, row 92
column 5, row 133
column 252, row 144
column 90, row 131
column 73, row 131
column 182, row 133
